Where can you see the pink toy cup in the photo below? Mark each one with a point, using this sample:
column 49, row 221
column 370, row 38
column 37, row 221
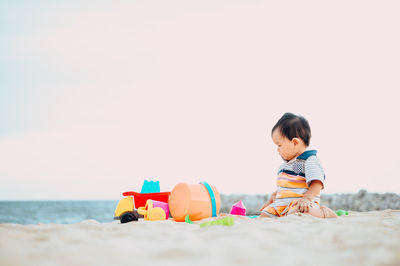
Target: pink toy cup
column 163, row 206
column 238, row 209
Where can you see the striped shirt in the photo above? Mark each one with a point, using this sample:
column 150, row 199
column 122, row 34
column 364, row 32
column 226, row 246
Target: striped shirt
column 294, row 179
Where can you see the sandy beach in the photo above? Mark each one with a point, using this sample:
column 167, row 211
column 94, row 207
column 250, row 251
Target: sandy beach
column 362, row 238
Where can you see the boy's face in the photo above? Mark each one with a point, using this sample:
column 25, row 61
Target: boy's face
column 286, row 148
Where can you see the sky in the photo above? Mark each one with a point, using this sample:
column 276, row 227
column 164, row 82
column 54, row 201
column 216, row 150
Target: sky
column 98, row 96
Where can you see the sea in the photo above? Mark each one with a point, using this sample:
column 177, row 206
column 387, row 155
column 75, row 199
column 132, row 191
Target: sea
column 59, row 212
column 76, row 211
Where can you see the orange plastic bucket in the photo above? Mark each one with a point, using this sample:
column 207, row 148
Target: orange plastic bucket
column 199, row 201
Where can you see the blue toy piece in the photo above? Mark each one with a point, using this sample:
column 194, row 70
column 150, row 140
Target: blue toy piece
column 150, row 187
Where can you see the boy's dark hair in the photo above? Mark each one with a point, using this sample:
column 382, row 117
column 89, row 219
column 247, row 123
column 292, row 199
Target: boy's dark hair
column 294, row 126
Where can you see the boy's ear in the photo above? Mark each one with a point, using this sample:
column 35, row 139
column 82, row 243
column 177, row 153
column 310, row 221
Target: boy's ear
column 296, row 141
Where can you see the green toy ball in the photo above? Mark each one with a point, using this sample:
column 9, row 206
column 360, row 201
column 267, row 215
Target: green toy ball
column 341, row 212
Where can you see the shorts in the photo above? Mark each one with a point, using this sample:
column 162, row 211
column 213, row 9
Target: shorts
column 279, row 211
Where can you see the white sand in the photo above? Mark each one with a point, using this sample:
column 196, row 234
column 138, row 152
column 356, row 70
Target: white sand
column 371, row 238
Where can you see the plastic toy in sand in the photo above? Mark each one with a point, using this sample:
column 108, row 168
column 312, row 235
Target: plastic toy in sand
column 341, row 212
column 150, row 186
column 187, row 220
column 126, row 208
column 238, row 209
column 227, row 221
column 125, row 211
column 198, row 201
column 154, row 210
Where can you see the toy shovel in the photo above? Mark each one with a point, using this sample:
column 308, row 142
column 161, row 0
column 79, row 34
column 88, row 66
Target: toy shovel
column 150, row 213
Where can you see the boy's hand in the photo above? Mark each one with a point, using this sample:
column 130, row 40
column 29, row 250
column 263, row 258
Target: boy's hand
column 270, row 200
column 304, row 204
column 306, row 201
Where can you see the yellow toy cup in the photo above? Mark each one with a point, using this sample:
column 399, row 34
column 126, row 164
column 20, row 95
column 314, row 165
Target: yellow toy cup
column 152, row 214
column 199, row 201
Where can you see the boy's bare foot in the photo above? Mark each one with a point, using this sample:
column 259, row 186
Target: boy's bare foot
column 328, row 213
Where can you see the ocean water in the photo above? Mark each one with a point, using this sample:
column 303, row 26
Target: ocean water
column 68, row 212
column 60, row 212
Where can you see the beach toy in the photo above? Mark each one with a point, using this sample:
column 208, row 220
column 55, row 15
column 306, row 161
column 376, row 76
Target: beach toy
column 152, row 213
column 140, row 199
column 150, row 187
column 134, row 200
column 341, row 212
column 162, row 205
column 227, row 221
column 187, row 220
column 238, row 209
column 125, row 211
column 198, row 201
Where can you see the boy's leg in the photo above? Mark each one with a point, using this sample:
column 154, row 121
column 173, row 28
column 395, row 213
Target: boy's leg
column 317, row 211
column 328, row 213
column 269, row 212
column 264, row 214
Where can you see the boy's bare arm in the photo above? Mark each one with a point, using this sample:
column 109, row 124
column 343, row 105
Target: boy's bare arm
column 313, row 190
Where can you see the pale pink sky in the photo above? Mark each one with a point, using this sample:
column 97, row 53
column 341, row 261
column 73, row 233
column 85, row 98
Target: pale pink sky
column 184, row 92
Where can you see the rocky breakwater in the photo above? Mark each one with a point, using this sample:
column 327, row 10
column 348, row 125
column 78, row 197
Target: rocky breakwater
column 362, row 201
